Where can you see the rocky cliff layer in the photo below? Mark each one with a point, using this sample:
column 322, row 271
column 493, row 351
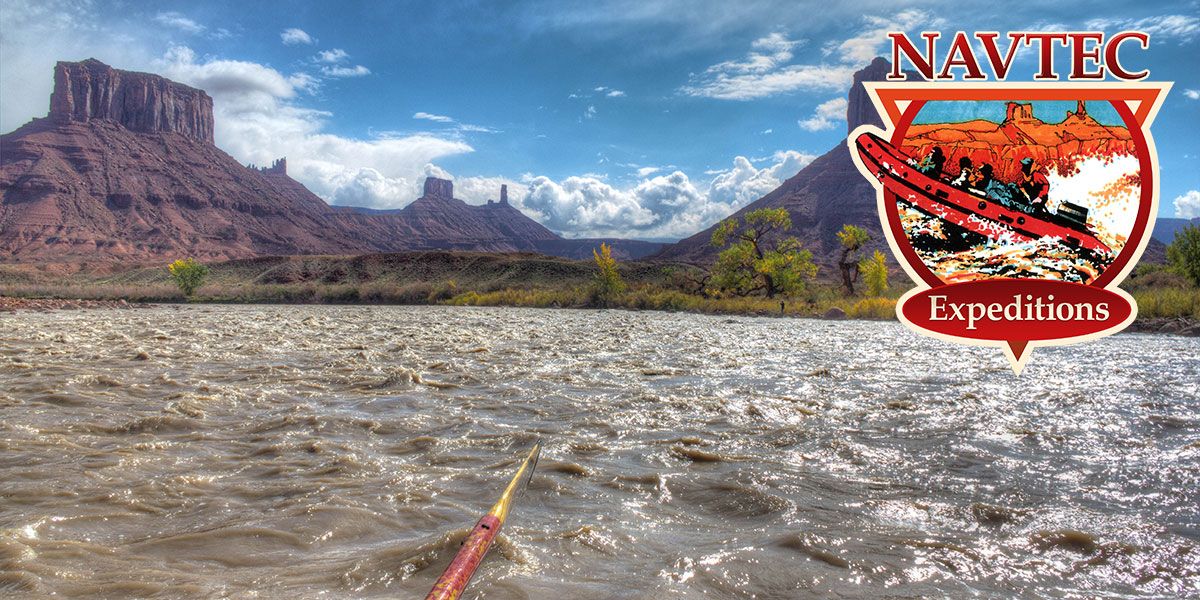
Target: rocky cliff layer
column 137, row 101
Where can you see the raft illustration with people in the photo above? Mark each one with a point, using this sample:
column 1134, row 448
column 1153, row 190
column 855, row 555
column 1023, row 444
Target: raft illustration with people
column 975, row 199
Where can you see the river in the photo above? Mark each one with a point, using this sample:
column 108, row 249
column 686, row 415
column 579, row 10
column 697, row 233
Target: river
column 344, row 452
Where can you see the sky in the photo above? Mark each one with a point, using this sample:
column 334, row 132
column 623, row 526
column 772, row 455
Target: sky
column 632, row 118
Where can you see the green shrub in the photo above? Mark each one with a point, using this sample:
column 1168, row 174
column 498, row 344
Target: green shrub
column 188, row 274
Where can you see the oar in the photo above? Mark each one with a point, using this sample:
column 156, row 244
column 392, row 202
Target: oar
column 456, row 576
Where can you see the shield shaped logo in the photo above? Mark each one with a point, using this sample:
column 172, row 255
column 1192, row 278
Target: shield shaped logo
column 1016, row 208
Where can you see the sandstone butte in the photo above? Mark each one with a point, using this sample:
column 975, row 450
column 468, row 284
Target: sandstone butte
column 123, row 169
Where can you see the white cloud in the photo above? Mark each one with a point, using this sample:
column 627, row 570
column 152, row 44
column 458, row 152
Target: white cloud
column 1192, row 94
column 590, row 113
column 1187, row 206
column 615, row 94
column 1183, row 28
column 294, row 36
column 668, row 205
column 768, row 70
column 826, row 115
column 432, row 117
column 304, row 82
column 872, row 40
column 461, row 127
column 765, row 71
column 178, row 21
column 335, row 55
column 745, row 183
column 258, row 121
column 339, row 71
column 36, row 34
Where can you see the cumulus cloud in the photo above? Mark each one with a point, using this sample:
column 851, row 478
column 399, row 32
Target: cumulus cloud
column 1187, row 206
column 1192, row 94
column 294, row 36
column 179, row 21
column 744, row 183
column 259, row 120
column 826, row 115
column 666, row 205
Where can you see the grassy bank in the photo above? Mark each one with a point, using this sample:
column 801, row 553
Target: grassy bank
column 453, row 278
column 476, row 279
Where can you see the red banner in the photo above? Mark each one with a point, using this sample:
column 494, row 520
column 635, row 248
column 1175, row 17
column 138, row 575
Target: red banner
column 1016, row 310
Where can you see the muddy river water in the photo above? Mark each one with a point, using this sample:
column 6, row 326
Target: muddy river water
column 344, row 452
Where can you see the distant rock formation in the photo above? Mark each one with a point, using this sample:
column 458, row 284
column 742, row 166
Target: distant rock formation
column 138, row 101
column 124, row 170
column 279, row 167
column 438, row 188
column 859, row 108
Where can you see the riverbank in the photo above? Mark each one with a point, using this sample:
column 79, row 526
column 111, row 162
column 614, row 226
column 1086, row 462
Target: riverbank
column 1166, row 302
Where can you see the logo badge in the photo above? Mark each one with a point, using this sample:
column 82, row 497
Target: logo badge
column 1017, row 208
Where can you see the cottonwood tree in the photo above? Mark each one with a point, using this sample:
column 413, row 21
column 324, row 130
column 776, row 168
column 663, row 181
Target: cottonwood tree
column 758, row 258
column 875, row 273
column 188, row 274
column 1183, row 253
column 609, row 284
column 852, row 238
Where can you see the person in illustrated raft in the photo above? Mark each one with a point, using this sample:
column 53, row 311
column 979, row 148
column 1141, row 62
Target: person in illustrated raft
column 966, row 174
column 931, row 165
column 1034, row 186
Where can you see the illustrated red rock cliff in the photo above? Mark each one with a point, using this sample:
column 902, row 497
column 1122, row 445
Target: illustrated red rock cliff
column 124, row 169
column 1021, row 135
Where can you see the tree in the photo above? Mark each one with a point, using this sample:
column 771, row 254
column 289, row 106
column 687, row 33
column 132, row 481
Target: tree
column 875, row 273
column 852, row 238
column 188, row 274
column 758, row 259
column 1183, row 254
column 609, row 284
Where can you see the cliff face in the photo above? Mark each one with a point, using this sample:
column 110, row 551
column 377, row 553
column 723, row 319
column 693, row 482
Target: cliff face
column 859, row 109
column 137, row 101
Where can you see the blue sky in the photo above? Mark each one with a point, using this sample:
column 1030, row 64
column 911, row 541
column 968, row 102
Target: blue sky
column 630, row 117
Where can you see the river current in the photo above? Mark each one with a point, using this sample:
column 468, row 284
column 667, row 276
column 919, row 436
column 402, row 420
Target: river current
column 344, row 452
